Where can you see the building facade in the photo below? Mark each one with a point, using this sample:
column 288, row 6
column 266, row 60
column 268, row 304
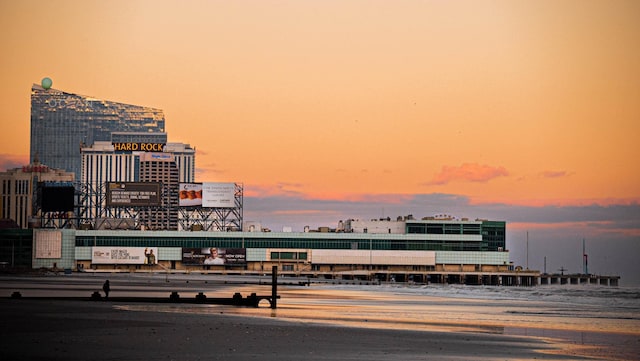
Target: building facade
column 422, row 257
column 441, row 233
column 19, row 187
column 161, row 168
column 386, row 257
column 62, row 123
column 125, row 159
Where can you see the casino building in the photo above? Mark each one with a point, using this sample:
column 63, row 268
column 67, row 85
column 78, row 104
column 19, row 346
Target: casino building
column 19, row 188
column 431, row 250
column 62, row 122
column 137, row 157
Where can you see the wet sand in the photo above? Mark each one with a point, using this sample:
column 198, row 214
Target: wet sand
column 104, row 330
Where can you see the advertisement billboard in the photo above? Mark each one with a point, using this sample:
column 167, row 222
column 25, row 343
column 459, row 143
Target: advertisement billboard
column 48, row 244
column 54, row 197
column 133, row 194
column 212, row 256
column 124, row 255
column 190, row 195
column 218, row 195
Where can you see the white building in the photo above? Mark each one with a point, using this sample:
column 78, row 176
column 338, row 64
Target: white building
column 18, row 187
column 377, row 226
column 120, row 161
column 161, row 168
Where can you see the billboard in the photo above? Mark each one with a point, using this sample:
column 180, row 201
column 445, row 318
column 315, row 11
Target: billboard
column 212, row 256
column 48, row 244
column 124, row 255
column 54, row 197
column 208, row 195
column 218, row 195
column 190, row 195
column 133, row 194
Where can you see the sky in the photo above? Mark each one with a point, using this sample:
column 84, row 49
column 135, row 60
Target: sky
column 523, row 111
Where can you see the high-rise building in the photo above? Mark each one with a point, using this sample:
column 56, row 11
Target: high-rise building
column 19, row 186
column 135, row 157
column 62, row 123
column 161, row 168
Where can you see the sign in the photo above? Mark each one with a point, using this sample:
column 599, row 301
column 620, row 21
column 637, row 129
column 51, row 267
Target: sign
column 138, row 147
column 35, row 169
column 124, row 255
column 53, row 197
column 48, row 244
column 218, row 195
column 212, row 256
column 133, row 194
column 190, row 195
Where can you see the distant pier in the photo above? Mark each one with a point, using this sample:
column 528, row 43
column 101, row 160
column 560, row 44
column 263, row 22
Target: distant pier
column 525, row 278
column 578, row 279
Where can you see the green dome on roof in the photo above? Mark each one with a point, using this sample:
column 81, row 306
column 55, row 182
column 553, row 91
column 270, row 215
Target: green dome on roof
column 46, row 83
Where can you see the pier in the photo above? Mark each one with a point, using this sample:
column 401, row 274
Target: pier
column 518, row 278
column 578, row 279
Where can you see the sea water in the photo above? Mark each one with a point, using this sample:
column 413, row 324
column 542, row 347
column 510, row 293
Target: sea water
column 603, row 321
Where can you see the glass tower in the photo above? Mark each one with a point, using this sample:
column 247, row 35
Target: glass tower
column 62, row 123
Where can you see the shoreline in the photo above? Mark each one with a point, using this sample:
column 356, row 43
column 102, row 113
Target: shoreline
column 467, row 326
column 582, row 344
column 74, row 330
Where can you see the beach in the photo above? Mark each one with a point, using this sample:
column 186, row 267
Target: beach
column 312, row 323
column 81, row 330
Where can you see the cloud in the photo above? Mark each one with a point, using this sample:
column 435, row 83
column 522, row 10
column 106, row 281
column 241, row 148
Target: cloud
column 554, row 174
column 208, row 171
column 471, row 172
column 556, row 232
column 10, row 161
column 280, row 189
column 272, row 204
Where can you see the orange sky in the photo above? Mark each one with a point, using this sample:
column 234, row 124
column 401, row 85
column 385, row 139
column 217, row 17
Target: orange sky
column 523, row 102
column 524, row 111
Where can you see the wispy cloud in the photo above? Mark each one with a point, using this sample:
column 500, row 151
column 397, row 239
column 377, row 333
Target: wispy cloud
column 554, row 174
column 283, row 201
column 556, row 231
column 209, row 171
column 10, row 161
column 469, row 172
column 280, row 189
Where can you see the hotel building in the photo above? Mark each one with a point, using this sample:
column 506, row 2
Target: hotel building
column 137, row 157
column 19, row 187
column 161, row 168
column 62, row 123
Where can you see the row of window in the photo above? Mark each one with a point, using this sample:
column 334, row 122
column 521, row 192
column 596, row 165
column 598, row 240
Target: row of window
column 444, row 228
column 83, row 241
column 21, row 186
column 288, row 255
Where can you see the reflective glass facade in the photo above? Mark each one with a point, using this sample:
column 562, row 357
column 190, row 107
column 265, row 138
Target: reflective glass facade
column 493, row 232
column 61, row 122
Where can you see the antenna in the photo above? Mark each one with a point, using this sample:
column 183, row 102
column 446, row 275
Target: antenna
column 562, row 269
column 527, row 250
column 585, row 259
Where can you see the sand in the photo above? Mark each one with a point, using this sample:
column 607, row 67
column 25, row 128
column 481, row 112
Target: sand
column 102, row 330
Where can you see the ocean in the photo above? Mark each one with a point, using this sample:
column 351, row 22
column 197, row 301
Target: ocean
column 596, row 321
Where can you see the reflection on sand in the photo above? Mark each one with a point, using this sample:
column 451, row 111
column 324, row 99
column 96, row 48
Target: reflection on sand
column 418, row 312
column 379, row 308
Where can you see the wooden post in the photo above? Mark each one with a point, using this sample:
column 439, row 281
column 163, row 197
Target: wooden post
column 274, row 286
